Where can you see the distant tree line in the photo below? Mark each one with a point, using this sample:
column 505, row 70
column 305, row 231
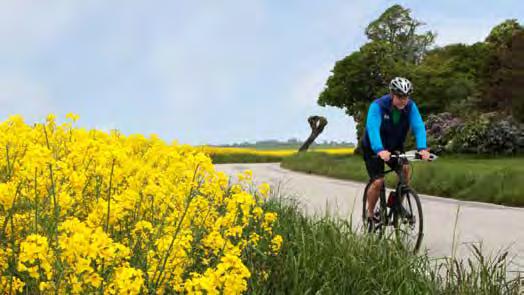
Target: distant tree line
column 291, row 143
column 471, row 96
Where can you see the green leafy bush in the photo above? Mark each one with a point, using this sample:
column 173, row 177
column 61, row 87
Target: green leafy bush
column 471, row 137
column 504, row 137
column 488, row 134
column 441, row 128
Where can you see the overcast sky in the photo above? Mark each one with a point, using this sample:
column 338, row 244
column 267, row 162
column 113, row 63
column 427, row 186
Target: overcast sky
column 200, row 71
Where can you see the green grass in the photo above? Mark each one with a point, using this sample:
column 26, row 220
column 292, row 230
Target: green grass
column 324, row 255
column 244, row 158
column 493, row 180
column 273, row 146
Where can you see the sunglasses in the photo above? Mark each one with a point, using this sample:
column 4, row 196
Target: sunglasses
column 402, row 97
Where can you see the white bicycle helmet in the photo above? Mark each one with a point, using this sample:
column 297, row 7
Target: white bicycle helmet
column 401, row 86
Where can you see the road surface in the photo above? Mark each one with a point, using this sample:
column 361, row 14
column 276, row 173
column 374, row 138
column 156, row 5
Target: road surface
column 496, row 228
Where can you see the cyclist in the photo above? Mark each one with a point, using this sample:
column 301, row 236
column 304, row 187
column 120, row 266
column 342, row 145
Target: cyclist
column 388, row 121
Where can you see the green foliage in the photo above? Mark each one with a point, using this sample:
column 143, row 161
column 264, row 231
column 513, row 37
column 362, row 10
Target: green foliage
column 502, row 34
column 471, row 136
column 516, row 59
column 464, row 80
column 398, row 28
column 484, row 134
column 393, row 50
column 500, row 87
column 441, row 128
column 489, row 135
column 446, row 79
column 328, row 255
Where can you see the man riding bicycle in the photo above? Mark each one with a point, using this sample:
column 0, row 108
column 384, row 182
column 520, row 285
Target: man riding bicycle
column 388, row 121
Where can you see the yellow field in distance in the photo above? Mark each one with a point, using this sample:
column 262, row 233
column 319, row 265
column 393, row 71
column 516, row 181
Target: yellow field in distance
column 277, row 152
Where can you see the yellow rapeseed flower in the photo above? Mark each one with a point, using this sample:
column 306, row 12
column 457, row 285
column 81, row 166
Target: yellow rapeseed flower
column 276, row 243
column 97, row 210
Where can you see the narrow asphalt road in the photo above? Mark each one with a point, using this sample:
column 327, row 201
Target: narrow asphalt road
column 495, row 228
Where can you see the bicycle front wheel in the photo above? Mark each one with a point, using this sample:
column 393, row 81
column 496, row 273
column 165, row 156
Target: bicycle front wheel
column 408, row 221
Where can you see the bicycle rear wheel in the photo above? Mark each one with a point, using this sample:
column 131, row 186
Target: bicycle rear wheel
column 408, row 221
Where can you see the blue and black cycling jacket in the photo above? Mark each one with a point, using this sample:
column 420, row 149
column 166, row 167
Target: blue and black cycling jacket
column 381, row 132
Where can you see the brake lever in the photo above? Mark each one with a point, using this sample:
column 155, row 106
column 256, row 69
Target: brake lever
column 432, row 157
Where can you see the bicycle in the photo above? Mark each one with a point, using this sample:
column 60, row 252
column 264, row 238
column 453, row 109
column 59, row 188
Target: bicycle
column 402, row 210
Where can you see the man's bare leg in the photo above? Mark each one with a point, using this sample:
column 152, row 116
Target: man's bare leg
column 406, row 173
column 373, row 194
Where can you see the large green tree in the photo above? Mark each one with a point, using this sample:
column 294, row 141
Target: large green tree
column 500, row 90
column 394, row 48
column 516, row 59
column 447, row 78
column 399, row 28
column 502, row 34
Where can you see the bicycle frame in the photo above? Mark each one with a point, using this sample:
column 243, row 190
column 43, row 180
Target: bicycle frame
column 400, row 187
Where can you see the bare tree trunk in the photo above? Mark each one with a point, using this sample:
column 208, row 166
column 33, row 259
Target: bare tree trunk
column 317, row 124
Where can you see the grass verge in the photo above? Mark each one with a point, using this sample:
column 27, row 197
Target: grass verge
column 324, row 255
column 244, row 158
column 246, row 155
column 492, row 180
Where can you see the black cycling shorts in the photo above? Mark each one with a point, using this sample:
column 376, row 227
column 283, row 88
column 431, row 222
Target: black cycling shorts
column 375, row 165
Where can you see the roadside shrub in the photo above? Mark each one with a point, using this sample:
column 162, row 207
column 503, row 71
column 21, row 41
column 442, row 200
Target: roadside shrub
column 441, row 128
column 504, row 137
column 485, row 134
column 488, row 134
column 470, row 137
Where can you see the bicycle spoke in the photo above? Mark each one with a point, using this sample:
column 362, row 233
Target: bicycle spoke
column 408, row 221
column 410, row 207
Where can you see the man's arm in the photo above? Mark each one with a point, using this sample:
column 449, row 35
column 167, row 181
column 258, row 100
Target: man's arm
column 373, row 121
column 417, row 127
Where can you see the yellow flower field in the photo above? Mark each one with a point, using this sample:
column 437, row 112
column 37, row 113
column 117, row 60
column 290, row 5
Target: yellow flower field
column 279, row 153
column 85, row 211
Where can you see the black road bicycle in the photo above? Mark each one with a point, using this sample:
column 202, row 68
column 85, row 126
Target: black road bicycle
column 402, row 211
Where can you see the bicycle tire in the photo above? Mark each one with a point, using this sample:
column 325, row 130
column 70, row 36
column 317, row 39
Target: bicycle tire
column 412, row 231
